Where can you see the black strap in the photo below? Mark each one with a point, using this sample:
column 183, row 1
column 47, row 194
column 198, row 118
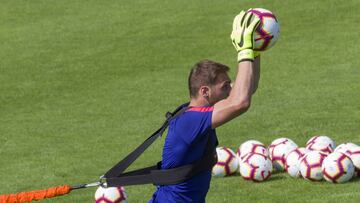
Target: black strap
column 168, row 176
column 153, row 174
column 121, row 166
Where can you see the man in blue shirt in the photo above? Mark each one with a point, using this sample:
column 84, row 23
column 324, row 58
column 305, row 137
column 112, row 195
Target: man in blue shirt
column 213, row 102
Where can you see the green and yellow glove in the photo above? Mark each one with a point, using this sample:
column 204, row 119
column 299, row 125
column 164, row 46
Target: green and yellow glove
column 241, row 36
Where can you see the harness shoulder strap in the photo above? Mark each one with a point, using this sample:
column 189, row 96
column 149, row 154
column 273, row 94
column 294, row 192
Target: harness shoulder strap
column 153, row 174
column 121, row 166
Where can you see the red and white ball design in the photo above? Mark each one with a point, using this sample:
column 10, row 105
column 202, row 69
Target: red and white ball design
column 310, row 165
column 321, row 143
column 337, row 168
column 293, row 161
column 345, row 148
column 267, row 33
column 110, row 195
column 278, row 150
column 251, row 146
column 354, row 155
column 256, row 167
column 227, row 162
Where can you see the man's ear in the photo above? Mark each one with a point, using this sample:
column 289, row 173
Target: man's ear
column 204, row 91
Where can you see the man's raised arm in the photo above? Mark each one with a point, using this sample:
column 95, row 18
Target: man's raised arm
column 247, row 76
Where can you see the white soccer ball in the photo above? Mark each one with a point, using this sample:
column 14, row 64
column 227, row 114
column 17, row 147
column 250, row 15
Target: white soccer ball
column 227, row 163
column 267, row 33
column 110, row 195
column 251, row 146
column 337, row 168
column 278, row 150
column 256, row 167
column 354, row 155
column 345, row 147
column 321, row 143
column 310, row 165
column 293, row 161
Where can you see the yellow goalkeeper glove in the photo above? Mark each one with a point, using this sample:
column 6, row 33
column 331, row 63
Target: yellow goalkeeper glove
column 241, row 36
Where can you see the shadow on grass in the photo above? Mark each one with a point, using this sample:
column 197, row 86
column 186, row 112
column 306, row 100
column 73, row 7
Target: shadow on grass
column 354, row 180
column 275, row 172
column 273, row 177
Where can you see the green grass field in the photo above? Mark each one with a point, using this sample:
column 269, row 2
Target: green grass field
column 82, row 83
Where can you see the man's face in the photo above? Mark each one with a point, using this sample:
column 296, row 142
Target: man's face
column 221, row 90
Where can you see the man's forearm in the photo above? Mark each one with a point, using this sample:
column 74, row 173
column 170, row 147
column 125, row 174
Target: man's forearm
column 243, row 86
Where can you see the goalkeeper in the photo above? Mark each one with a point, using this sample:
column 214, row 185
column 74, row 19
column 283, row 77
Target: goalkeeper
column 213, row 102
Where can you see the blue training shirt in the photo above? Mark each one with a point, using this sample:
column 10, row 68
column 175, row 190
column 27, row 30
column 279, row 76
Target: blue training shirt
column 185, row 143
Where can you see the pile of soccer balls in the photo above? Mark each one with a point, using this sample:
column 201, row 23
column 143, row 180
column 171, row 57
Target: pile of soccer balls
column 319, row 159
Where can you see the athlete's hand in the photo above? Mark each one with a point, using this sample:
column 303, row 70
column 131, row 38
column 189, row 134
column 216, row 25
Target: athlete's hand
column 241, row 36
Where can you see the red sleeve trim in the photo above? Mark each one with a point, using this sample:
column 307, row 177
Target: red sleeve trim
column 201, row 109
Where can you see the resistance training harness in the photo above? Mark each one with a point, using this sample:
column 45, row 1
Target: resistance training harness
column 116, row 176
column 154, row 174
